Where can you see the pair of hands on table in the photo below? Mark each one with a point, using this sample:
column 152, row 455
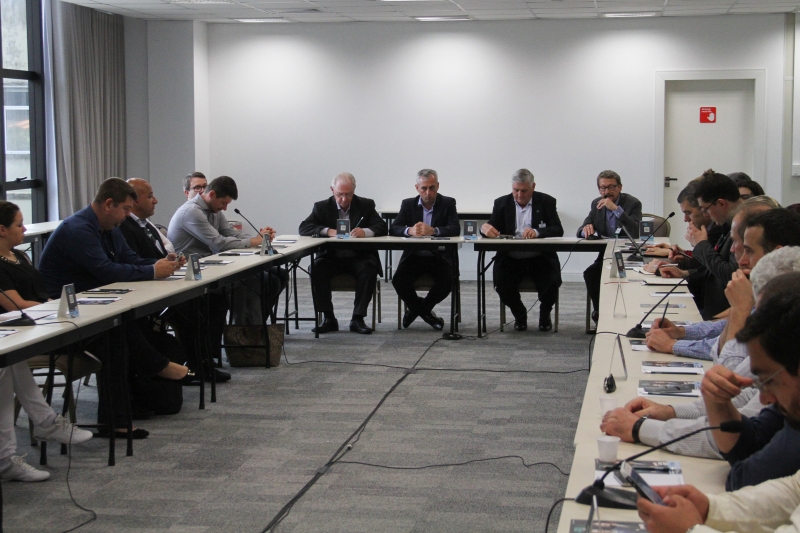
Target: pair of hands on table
column 663, row 334
column 167, row 266
column 619, row 422
column 356, row 232
column 490, row 231
column 685, row 507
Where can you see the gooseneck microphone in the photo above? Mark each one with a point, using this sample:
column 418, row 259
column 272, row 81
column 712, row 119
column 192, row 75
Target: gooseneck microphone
column 625, row 499
column 637, row 332
column 635, row 256
column 269, row 241
column 23, row 320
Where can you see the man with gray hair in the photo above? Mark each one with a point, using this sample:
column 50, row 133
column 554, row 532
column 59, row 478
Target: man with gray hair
column 429, row 214
column 364, row 266
column 526, row 214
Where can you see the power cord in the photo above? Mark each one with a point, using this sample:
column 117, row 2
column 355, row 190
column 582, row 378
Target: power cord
column 550, row 512
column 69, row 469
column 444, row 465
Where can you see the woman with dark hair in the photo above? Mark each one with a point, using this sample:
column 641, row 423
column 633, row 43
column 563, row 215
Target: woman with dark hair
column 23, row 288
column 747, row 187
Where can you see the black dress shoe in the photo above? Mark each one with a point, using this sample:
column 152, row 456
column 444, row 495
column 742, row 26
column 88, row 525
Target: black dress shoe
column 409, row 317
column 138, row 434
column 328, row 324
column 358, row 325
column 521, row 324
column 595, row 316
column 545, row 324
column 433, row 321
column 221, row 376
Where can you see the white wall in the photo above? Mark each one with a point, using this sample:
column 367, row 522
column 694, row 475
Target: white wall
column 202, row 141
column 291, row 105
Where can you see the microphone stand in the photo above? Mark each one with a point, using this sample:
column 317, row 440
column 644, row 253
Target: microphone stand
column 269, row 242
column 23, row 320
column 625, row 499
column 637, row 332
column 635, row 257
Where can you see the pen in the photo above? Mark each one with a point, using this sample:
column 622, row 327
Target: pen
column 359, row 222
column 665, row 313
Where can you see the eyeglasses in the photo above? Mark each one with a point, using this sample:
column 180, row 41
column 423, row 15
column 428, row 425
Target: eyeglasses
column 343, row 195
column 705, row 209
column 762, row 384
column 609, row 188
column 198, row 188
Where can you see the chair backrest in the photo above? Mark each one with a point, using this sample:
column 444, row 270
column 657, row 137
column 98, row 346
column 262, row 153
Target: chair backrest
column 664, row 230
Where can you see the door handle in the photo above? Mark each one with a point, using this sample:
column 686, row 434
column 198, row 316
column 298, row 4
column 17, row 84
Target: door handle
column 667, row 179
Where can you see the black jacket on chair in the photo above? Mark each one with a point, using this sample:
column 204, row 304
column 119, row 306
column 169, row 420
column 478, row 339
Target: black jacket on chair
column 631, row 217
column 139, row 241
column 326, row 212
column 445, row 219
column 544, row 214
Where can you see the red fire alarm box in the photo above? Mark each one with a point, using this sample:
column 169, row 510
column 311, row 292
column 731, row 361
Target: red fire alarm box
column 708, row 115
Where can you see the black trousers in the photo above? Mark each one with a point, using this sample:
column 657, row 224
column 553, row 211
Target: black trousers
column 592, row 277
column 363, row 267
column 143, row 359
column 508, row 274
column 184, row 319
column 414, row 267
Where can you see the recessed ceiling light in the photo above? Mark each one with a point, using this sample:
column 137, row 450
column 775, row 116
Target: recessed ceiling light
column 631, row 15
column 262, row 20
column 441, row 19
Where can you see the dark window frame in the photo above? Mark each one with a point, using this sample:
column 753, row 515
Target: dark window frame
column 37, row 181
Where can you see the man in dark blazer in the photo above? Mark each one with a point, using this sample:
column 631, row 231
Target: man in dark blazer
column 148, row 242
column 526, row 214
column 428, row 214
column 611, row 211
column 365, row 266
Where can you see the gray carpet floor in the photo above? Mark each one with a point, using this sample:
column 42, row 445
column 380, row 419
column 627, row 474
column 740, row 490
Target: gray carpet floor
column 236, row 464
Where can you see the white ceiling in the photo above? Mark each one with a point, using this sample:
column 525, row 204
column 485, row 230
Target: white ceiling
column 405, row 11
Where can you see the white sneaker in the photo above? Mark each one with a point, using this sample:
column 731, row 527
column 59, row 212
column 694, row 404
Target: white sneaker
column 62, row 431
column 18, row 470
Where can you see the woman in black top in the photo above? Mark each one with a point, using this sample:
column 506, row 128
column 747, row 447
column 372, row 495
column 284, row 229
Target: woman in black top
column 24, row 286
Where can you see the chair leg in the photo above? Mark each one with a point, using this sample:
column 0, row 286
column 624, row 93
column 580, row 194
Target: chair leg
column 502, row 316
column 380, row 307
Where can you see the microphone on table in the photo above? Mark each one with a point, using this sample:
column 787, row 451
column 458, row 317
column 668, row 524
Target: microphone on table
column 23, row 320
column 635, row 257
column 637, row 332
column 625, row 499
column 269, row 242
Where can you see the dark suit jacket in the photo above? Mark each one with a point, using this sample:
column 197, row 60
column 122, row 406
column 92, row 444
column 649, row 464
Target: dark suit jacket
column 445, row 219
column 325, row 214
column 139, row 241
column 504, row 220
column 631, row 217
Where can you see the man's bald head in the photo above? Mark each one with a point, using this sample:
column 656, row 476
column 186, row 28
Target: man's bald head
column 145, row 204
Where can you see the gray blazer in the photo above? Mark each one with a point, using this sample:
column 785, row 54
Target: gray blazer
column 631, row 217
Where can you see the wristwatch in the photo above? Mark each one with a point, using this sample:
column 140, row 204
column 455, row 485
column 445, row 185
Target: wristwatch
column 636, row 427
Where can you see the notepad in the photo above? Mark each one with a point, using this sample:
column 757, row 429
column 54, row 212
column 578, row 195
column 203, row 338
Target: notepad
column 656, row 473
column 97, row 300
column 672, row 367
column 689, row 389
column 638, row 345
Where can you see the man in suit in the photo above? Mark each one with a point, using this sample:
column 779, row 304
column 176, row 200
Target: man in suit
column 147, row 241
column 718, row 196
column 428, row 214
column 365, row 266
column 611, row 211
column 526, row 214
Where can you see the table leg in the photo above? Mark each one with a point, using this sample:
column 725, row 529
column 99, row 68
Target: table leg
column 124, row 383
column 209, row 350
column 200, row 353
column 479, row 291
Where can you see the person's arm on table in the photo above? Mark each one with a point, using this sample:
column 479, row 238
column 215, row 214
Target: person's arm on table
column 490, row 228
column 195, row 223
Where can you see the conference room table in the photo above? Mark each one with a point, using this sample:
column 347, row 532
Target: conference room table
column 483, row 245
column 390, row 214
column 623, row 304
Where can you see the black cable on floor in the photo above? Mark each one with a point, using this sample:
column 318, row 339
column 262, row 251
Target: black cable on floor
column 69, row 469
column 550, row 512
column 443, row 465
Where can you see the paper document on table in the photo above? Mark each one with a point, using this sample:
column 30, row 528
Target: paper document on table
column 640, row 345
column 654, row 472
column 98, row 300
column 284, row 241
column 6, row 332
column 663, row 282
column 661, row 306
column 606, row 526
column 643, row 271
column 235, row 252
column 673, row 295
column 212, row 262
column 672, row 367
column 689, row 389
column 36, row 314
column 682, row 323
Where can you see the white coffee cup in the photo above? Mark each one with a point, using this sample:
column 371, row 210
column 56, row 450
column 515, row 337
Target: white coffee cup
column 608, row 446
column 607, row 403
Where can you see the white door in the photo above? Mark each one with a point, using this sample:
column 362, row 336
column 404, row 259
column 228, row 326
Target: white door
column 691, row 147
